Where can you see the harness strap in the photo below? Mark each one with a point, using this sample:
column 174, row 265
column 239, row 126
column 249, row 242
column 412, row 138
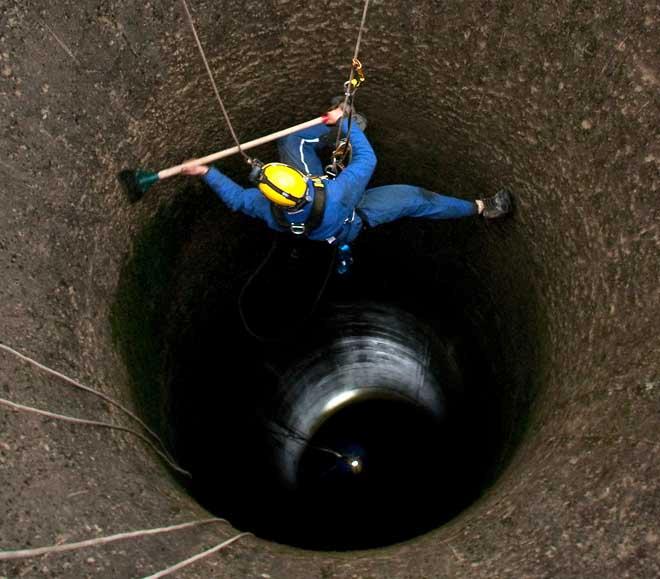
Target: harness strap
column 315, row 216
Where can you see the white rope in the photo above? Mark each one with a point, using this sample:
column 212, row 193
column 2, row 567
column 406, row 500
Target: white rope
column 86, row 389
column 359, row 38
column 197, row 557
column 65, row 418
column 215, row 88
column 25, row 553
column 350, row 80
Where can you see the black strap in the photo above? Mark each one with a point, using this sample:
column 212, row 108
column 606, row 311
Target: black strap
column 315, row 216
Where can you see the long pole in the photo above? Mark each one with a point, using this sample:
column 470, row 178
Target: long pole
column 175, row 170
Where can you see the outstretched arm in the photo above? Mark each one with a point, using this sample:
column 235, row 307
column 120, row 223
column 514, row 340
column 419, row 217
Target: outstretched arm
column 237, row 198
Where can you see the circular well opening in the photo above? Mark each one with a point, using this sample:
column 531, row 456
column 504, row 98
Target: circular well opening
column 233, row 404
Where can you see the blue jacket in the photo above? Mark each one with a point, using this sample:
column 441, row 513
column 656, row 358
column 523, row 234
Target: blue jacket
column 342, row 194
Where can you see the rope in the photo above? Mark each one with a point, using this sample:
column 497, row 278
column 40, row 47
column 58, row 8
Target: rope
column 197, row 557
column 25, row 553
column 215, row 88
column 65, row 418
column 348, row 94
column 255, row 273
column 359, row 38
column 87, row 389
column 246, row 285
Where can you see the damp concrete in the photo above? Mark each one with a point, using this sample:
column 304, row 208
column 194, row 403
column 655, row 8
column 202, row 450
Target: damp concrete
column 557, row 101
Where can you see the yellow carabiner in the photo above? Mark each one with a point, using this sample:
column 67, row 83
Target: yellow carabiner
column 359, row 72
column 357, row 77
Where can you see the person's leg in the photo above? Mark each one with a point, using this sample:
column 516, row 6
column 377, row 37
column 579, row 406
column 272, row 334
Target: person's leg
column 300, row 150
column 391, row 202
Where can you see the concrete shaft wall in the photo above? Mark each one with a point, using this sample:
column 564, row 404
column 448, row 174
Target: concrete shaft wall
column 557, row 100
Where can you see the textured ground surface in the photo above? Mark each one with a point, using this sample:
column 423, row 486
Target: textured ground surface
column 557, row 100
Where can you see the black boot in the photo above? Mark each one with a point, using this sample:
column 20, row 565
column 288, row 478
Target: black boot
column 497, row 205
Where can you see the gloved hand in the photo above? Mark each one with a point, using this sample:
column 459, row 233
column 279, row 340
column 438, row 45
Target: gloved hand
column 334, row 115
column 195, row 170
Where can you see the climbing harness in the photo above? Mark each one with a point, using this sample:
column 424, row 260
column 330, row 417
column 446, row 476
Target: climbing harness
column 341, row 154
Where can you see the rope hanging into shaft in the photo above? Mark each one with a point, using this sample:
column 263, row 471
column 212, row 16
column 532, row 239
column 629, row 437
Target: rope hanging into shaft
column 349, row 93
column 359, row 38
column 215, row 88
column 80, row 386
column 73, row 420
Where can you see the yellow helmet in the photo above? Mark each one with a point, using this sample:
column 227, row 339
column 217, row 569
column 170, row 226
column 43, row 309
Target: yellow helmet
column 283, row 185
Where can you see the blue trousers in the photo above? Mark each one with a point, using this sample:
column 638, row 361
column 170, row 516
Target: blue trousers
column 380, row 204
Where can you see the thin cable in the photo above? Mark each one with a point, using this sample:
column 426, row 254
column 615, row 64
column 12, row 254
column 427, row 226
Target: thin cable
column 87, row 389
column 215, row 88
column 197, row 557
column 347, row 93
column 25, row 553
column 256, row 272
column 65, row 418
column 248, row 283
column 298, row 438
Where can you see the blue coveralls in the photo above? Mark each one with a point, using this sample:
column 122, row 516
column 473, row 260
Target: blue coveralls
column 344, row 194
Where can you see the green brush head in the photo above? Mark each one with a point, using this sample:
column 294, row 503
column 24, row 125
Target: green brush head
column 136, row 183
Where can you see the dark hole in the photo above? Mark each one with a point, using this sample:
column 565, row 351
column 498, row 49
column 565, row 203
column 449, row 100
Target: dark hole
column 398, row 362
column 235, row 402
column 400, row 472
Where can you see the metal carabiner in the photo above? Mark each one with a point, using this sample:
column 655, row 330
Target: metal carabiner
column 297, row 228
column 357, row 78
column 357, row 68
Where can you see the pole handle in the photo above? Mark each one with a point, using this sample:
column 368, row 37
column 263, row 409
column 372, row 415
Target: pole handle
column 175, row 170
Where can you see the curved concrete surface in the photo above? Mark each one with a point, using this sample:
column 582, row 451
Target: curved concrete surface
column 359, row 363
column 558, row 101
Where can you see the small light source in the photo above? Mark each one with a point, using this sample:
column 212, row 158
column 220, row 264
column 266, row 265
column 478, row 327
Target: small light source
column 356, row 465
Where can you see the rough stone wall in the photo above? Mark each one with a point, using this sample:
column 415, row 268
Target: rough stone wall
column 557, row 100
